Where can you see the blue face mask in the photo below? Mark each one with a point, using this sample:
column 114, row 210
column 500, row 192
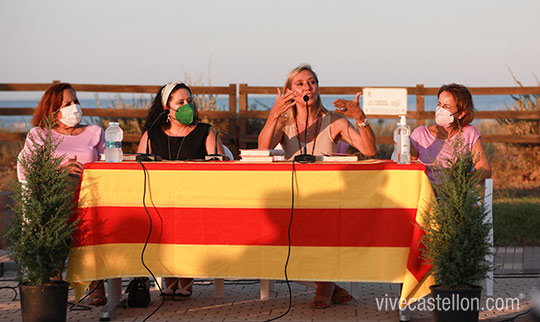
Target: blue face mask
column 185, row 114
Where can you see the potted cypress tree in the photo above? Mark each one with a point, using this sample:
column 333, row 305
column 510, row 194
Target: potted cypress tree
column 39, row 239
column 457, row 238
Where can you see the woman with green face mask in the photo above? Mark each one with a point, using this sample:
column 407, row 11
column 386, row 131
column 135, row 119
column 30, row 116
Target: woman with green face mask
column 175, row 133
column 174, row 129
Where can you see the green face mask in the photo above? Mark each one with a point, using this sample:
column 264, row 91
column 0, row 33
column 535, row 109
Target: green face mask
column 185, row 114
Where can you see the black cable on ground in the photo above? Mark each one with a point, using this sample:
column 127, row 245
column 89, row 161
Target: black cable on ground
column 13, row 288
column 80, row 307
column 288, row 248
column 515, row 317
column 145, row 172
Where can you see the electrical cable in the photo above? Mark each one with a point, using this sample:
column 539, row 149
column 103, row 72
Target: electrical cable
column 13, row 288
column 512, row 319
column 145, row 172
column 80, row 307
column 288, row 248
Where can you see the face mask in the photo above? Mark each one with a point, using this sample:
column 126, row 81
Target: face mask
column 443, row 117
column 71, row 115
column 185, row 114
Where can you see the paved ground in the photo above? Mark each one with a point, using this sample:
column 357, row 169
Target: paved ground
column 515, row 279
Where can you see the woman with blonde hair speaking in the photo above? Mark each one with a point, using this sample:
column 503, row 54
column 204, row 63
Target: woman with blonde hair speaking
column 286, row 125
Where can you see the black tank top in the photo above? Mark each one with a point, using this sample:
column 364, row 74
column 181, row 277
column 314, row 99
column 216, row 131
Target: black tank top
column 190, row 147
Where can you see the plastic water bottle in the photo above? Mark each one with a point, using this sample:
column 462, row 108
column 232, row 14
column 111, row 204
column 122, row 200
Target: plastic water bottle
column 396, row 140
column 114, row 136
column 402, row 142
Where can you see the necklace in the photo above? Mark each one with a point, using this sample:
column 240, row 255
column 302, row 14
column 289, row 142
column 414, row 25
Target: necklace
column 179, row 149
column 317, row 126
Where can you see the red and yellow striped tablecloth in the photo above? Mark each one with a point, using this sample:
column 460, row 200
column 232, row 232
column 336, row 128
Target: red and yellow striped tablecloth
column 352, row 222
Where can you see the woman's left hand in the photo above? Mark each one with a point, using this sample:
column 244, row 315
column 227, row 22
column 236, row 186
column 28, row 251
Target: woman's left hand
column 350, row 109
column 74, row 166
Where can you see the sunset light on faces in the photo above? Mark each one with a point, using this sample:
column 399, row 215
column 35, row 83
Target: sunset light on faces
column 305, row 84
column 178, row 98
column 68, row 98
column 447, row 101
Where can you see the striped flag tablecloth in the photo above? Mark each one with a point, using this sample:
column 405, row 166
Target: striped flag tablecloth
column 358, row 222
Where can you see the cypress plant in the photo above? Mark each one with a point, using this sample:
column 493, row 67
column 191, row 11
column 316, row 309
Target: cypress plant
column 39, row 239
column 456, row 239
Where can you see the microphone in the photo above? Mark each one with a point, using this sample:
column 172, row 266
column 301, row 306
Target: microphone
column 305, row 157
column 148, row 156
column 216, row 156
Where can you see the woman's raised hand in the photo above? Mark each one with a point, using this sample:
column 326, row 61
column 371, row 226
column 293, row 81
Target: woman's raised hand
column 282, row 103
column 350, row 109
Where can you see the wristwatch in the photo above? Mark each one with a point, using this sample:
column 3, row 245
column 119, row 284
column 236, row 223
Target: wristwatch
column 363, row 124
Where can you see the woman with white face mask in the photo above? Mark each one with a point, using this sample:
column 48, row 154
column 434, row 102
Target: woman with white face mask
column 453, row 115
column 77, row 144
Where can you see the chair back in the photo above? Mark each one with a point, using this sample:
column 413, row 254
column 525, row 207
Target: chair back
column 20, row 175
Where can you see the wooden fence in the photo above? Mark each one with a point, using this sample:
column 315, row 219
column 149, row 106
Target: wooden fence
column 237, row 117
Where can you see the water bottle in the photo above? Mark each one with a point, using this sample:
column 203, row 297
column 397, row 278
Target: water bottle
column 402, row 142
column 396, row 140
column 114, row 136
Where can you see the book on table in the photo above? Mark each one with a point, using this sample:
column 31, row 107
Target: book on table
column 262, row 158
column 260, row 152
column 337, row 157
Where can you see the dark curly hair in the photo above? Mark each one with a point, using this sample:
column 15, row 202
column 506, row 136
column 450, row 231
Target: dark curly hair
column 156, row 108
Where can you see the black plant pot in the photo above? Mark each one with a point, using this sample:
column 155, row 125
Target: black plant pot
column 456, row 304
column 44, row 303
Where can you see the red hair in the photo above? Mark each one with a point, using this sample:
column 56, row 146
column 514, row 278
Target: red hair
column 50, row 103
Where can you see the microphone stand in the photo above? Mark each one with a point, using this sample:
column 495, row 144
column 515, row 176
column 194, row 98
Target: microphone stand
column 148, row 156
column 305, row 157
column 216, row 156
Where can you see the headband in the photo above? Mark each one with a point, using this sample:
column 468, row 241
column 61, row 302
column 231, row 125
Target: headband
column 166, row 92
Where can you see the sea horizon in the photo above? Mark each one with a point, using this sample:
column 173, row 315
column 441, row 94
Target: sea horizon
column 255, row 102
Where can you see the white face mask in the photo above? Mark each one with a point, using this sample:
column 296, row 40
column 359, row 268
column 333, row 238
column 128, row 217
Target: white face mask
column 71, row 115
column 443, row 117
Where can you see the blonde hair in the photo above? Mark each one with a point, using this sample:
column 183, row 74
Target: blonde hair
column 288, row 85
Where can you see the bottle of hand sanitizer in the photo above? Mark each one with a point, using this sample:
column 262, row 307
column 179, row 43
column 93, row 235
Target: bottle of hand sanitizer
column 402, row 142
column 404, row 146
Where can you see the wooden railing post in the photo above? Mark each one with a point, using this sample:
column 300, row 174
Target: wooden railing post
column 419, row 104
column 233, row 121
column 242, row 108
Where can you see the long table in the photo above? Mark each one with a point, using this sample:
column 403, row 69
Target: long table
column 358, row 222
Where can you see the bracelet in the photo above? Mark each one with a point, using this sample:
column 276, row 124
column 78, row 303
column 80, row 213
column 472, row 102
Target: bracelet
column 363, row 124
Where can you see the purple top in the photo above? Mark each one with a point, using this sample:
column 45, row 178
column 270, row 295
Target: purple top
column 432, row 150
column 87, row 146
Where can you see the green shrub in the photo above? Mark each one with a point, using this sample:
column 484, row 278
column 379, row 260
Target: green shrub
column 456, row 240
column 39, row 239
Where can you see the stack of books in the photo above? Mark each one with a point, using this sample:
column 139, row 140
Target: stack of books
column 261, row 155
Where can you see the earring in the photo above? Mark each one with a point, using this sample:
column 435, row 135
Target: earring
column 168, row 118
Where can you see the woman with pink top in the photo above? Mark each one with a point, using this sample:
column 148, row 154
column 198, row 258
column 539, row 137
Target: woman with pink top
column 77, row 143
column 454, row 113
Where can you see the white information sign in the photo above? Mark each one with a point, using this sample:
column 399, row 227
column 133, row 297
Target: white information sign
column 385, row 101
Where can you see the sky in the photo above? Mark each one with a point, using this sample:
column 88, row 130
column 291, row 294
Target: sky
column 348, row 43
